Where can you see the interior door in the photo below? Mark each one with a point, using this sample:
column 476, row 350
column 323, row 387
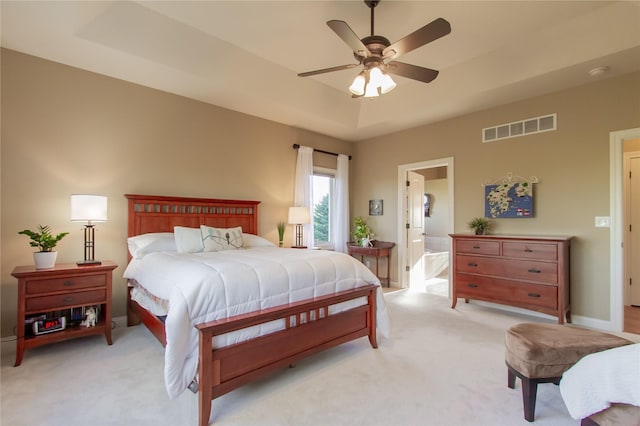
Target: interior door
column 632, row 248
column 415, row 228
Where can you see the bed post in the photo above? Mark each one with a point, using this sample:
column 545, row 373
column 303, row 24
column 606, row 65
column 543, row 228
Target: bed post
column 372, row 316
column 205, row 367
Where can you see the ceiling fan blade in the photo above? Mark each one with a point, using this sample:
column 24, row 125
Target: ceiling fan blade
column 430, row 32
column 325, row 70
column 414, row 72
column 344, row 31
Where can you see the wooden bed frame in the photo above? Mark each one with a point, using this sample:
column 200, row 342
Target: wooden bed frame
column 309, row 328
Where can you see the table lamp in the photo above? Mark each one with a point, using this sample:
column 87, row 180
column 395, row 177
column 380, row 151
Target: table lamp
column 299, row 216
column 90, row 209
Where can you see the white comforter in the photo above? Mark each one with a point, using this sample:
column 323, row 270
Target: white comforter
column 203, row 287
column 600, row 379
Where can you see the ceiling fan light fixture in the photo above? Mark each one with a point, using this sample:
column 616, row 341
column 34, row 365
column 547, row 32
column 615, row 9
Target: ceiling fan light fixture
column 387, row 84
column 357, row 87
column 371, row 90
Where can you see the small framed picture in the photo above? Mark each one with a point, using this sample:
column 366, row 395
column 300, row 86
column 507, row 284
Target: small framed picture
column 375, row 207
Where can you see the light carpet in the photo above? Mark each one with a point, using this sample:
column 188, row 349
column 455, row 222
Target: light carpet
column 440, row 367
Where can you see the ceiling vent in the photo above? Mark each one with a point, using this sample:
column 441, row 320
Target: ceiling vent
column 529, row 126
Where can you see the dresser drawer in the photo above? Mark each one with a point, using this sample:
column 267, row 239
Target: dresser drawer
column 530, row 250
column 530, row 270
column 498, row 290
column 59, row 301
column 52, row 285
column 491, row 248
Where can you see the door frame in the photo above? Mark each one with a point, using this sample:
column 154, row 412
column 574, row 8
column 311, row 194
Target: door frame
column 616, row 209
column 402, row 219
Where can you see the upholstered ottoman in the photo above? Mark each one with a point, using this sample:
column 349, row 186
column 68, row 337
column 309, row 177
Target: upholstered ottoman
column 540, row 353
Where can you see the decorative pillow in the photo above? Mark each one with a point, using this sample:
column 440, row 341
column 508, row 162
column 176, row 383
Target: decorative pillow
column 219, row 239
column 251, row 240
column 143, row 244
column 188, row 240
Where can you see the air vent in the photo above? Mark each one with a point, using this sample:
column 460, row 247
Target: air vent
column 529, row 126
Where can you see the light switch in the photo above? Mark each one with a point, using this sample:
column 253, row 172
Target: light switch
column 602, row 221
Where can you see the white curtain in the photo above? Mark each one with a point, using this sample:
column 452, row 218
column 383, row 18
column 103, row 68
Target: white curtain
column 303, row 192
column 340, row 213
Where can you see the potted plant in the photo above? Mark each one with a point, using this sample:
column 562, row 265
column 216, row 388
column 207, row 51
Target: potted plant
column 479, row 225
column 361, row 232
column 45, row 241
column 281, row 227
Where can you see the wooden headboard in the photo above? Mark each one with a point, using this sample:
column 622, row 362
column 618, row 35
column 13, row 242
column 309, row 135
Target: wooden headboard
column 157, row 213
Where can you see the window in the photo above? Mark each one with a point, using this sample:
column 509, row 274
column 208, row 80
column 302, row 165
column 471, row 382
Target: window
column 323, row 190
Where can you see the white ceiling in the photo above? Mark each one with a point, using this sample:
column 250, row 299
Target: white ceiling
column 244, row 55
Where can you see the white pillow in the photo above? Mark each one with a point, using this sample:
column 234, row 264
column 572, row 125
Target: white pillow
column 148, row 243
column 188, row 240
column 219, row 239
column 251, row 240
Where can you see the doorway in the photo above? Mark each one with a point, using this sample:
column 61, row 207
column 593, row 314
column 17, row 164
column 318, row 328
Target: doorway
column 619, row 238
column 406, row 229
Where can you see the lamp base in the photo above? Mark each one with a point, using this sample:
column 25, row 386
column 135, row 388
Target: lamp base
column 88, row 262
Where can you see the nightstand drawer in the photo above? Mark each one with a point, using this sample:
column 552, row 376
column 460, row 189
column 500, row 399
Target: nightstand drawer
column 59, row 301
column 65, row 284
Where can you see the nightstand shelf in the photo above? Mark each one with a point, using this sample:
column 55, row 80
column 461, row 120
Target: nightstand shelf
column 61, row 288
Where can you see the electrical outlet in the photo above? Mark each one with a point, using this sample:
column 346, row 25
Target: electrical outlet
column 602, row 221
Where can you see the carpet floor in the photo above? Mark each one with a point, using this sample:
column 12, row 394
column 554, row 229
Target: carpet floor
column 440, row 367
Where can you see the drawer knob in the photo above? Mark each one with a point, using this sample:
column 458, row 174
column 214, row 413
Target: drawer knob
column 472, row 285
column 528, row 250
column 67, row 283
column 476, row 247
column 472, row 264
column 67, row 299
column 533, row 295
column 535, row 271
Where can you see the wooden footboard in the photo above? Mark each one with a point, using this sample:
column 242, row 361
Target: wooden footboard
column 309, row 329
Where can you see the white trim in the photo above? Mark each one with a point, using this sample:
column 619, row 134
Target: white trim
column 616, row 253
column 401, row 236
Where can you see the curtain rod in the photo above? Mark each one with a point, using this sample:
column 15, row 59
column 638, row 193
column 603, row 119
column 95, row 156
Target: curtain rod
column 296, row 146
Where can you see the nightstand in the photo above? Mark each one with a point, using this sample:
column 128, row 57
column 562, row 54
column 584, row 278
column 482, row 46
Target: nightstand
column 378, row 250
column 54, row 293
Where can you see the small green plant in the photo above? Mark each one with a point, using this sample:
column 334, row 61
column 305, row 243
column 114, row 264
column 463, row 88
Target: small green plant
column 361, row 230
column 479, row 225
column 43, row 239
column 281, row 227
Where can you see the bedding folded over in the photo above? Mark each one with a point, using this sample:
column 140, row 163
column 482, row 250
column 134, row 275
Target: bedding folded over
column 600, row 379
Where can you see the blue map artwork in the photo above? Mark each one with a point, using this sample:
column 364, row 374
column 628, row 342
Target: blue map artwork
column 509, row 200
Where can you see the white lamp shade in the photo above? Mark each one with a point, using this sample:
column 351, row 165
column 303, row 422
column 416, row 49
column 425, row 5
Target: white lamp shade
column 357, row 87
column 88, row 208
column 299, row 215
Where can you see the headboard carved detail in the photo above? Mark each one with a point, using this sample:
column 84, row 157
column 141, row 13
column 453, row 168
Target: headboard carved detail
column 157, row 213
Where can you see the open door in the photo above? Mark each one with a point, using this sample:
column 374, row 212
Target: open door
column 415, row 228
column 632, row 242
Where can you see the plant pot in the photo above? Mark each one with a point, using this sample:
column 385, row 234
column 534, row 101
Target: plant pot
column 45, row 259
column 479, row 232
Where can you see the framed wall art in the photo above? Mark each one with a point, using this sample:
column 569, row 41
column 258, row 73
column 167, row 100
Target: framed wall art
column 375, row 207
column 509, row 197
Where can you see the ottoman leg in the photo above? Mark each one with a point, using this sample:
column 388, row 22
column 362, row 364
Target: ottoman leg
column 511, row 378
column 529, row 391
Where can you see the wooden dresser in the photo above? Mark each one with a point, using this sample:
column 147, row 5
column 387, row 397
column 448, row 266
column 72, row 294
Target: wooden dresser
column 524, row 271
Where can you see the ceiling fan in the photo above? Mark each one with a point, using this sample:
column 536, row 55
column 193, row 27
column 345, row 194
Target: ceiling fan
column 376, row 54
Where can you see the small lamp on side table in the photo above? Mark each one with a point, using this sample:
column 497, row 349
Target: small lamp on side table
column 90, row 209
column 299, row 216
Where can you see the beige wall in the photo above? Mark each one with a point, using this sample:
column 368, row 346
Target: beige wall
column 67, row 131
column 571, row 163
